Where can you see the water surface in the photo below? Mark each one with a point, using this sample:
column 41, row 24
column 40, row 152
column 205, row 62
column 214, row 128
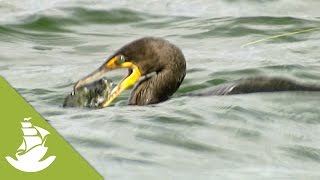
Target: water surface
column 47, row 46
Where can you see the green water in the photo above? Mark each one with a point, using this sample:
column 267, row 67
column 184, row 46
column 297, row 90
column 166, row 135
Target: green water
column 47, row 46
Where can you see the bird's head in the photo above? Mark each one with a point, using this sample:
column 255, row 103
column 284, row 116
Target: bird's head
column 138, row 57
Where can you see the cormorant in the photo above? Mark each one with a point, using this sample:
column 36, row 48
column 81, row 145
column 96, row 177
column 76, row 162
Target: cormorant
column 157, row 68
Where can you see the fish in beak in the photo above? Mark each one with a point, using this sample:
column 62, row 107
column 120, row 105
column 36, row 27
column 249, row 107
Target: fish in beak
column 115, row 62
column 90, row 95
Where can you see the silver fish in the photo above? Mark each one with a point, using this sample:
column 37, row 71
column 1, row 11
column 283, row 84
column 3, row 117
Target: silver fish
column 90, row 95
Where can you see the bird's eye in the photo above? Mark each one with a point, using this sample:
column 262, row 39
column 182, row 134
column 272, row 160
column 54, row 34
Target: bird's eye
column 120, row 59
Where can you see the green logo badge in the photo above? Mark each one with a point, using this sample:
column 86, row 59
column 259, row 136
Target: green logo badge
column 31, row 148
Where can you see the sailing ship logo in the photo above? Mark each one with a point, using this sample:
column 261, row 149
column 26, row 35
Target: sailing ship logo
column 32, row 149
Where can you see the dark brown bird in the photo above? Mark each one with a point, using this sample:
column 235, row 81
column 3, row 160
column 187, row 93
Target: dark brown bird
column 157, row 68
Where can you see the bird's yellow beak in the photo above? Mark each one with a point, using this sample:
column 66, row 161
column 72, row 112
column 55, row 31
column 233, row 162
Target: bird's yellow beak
column 124, row 84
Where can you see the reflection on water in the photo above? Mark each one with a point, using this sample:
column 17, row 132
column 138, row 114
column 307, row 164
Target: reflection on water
column 46, row 47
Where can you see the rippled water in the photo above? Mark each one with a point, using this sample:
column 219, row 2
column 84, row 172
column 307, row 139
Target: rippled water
column 48, row 45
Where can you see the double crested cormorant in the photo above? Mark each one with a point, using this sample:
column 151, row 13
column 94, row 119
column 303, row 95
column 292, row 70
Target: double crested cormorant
column 156, row 68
